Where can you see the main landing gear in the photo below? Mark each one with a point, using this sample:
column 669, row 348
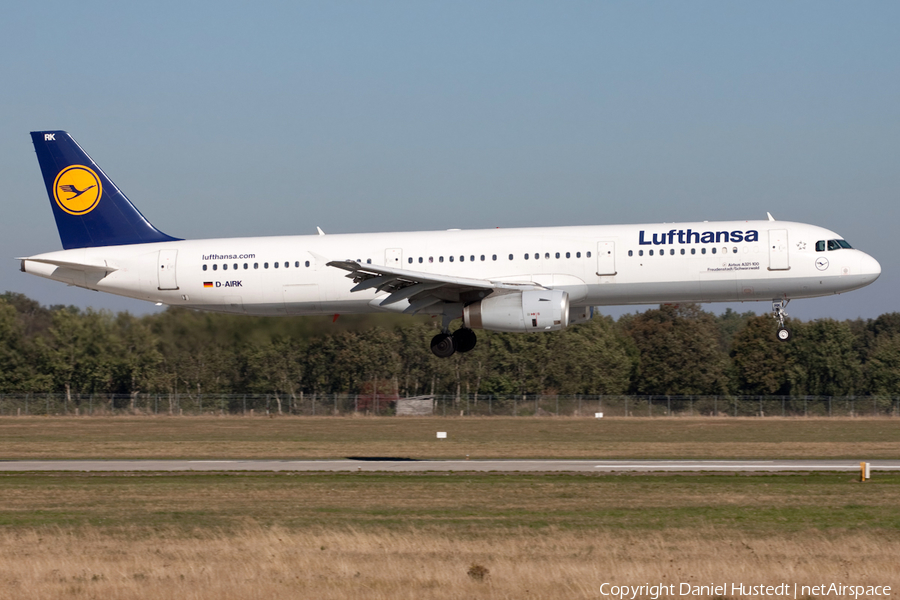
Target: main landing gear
column 778, row 306
column 445, row 344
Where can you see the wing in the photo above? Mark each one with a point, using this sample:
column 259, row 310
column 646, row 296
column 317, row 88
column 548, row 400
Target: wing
column 423, row 289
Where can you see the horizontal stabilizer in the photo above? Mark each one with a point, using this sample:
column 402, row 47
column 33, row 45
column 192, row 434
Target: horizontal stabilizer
column 72, row 265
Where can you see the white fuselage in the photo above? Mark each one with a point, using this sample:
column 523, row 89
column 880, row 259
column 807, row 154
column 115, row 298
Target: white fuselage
column 597, row 265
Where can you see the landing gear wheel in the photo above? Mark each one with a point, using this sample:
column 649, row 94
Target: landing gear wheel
column 442, row 345
column 465, row 339
column 778, row 306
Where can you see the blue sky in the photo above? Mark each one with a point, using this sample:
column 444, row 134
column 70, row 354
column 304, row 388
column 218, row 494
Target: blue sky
column 225, row 119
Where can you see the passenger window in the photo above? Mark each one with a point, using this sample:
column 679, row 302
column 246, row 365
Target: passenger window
column 578, row 255
column 409, row 260
column 526, row 256
column 631, row 253
column 472, row 258
column 482, row 258
column 557, row 255
column 276, row 264
column 640, row 252
column 682, row 251
column 734, row 250
column 588, row 254
column 265, row 265
column 702, row 250
column 693, row 251
column 568, row 255
column 431, row 259
column 651, row 253
column 440, row 259
column 225, row 267
column 420, row 260
column 307, row 263
column 297, row 263
column 462, row 258
column 215, row 267
column 204, row 267
column 672, row 251
column 287, row 264
column 245, row 266
column 451, row 259
column 255, row 265
column 510, row 257
column 493, row 257
column 546, row 255
column 713, row 250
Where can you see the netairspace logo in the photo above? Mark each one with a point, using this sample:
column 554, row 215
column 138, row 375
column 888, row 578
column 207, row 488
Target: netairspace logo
column 784, row 590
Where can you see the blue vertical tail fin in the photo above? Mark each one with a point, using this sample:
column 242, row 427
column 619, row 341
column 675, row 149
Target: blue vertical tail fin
column 89, row 209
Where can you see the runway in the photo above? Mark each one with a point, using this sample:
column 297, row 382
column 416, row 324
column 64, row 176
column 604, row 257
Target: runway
column 411, row 465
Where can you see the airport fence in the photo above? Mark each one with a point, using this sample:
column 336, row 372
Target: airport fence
column 39, row 404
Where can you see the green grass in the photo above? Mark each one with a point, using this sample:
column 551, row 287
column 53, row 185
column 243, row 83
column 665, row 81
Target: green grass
column 480, row 438
column 465, row 503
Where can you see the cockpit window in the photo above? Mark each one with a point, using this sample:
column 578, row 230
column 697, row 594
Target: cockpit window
column 837, row 244
column 832, row 245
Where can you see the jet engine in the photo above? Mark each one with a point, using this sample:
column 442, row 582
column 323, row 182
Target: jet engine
column 531, row 311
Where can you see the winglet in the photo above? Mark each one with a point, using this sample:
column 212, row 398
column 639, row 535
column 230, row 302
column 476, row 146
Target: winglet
column 319, row 229
column 771, row 218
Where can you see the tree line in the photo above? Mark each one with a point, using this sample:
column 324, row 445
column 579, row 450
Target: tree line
column 670, row 350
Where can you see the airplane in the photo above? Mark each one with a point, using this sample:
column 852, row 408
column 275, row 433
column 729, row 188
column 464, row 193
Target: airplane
column 525, row 280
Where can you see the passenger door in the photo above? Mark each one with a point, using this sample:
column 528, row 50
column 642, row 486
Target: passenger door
column 166, row 269
column 778, row 250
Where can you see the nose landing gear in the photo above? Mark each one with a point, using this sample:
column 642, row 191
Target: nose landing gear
column 778, row 307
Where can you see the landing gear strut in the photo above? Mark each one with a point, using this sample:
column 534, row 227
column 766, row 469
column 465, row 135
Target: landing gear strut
column 778, row 307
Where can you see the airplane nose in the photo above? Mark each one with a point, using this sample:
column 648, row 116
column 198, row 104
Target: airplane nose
column 869, row 266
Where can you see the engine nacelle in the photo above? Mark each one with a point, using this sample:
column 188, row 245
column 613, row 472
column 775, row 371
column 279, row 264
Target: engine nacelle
column 531, row 311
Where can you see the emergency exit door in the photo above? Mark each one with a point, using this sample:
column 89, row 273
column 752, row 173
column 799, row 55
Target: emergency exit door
column 606, row 258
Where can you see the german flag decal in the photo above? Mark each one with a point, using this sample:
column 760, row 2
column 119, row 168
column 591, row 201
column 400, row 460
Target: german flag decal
column 207, row 284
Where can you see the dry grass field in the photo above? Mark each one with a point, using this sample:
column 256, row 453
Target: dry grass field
column 385, row 565
column 212, row 437
column 392, row 535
